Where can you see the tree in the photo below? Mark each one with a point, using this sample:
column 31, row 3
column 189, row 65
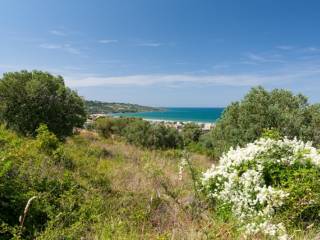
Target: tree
column 191, row 132
column 28, row 99
column 163, row 137
column 137, row 133
column 243, row 122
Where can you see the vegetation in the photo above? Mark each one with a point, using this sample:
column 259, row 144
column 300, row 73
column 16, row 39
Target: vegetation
column 243, row 122
column 105, row 107
column 95, row 188
column 28, row 99
column 132, row 179
column 98, row 188
column 269, row 186
column 191, row 133
column 140, row 133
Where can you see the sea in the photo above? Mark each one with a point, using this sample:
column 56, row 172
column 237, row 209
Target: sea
column 186, row 114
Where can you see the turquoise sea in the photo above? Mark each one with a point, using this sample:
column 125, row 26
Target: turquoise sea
column 204, row 115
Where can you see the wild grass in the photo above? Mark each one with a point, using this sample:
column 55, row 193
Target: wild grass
column 96, row 188
column 148, row 199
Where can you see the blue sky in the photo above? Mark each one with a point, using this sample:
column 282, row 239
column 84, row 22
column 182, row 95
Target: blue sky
column 201, row 53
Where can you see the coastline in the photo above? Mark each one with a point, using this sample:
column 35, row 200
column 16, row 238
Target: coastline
column 205, row 126
column 182, row 115
column 175, row 121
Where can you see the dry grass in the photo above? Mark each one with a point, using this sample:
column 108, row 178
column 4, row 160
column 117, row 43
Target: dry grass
column 147, row 199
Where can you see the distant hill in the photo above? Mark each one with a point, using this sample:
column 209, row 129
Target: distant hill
column 107, row 107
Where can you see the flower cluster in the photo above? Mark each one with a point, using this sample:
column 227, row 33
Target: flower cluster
column 240, row 180
column 182, row 164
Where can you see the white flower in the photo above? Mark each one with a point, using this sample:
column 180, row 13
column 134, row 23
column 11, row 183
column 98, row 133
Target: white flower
column 181, row 166
column 238, row 180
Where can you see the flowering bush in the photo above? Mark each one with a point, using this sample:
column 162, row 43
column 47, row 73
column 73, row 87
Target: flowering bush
column 268, row 185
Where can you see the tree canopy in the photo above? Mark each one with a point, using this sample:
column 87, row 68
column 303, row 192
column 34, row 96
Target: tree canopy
column 244, row 121
column 28, row 99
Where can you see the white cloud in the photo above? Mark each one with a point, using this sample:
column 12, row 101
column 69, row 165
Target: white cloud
column 57, row 32
column 285, row 47
column 263, row 58
column 150, row 44
column 63, row 47
column 312, row 49
column 107, row 41
column 285, row 76
column 145, row 80
column 220, row 66
column 50, row 46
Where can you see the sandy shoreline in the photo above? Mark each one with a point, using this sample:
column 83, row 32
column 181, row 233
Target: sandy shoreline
column 206, row 126
column 153, row 119
column 175, row 121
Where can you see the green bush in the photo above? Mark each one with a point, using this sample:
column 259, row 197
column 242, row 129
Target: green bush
column 140, row 133
column 66, row 205
column 46, row 140
column 107, row 126
column 191, row 133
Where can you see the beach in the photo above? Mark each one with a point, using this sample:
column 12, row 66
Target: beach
column 205, row 126
column 179, row 114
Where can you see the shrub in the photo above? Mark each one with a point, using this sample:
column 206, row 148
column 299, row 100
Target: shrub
column 28, row 99
column 140, row 133
column 162, row 137
column 66, row 206
column 46, row 140
column 267, row 185
column 104, row 126
column 191, row 133
column 108, row 126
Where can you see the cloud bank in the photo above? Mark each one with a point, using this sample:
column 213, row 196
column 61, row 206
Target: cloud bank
column 179, row 79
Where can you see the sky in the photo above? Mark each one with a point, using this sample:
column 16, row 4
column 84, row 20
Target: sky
column 182, row 53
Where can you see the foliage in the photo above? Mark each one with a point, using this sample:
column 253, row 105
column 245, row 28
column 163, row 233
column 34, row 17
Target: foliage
column 267, row 185
column 94, row 188
column 37, row 167
column 191, row 133
column 140, row 132
column 28, row 99
column 107, row 126
column 243, row 122
column 46, row 140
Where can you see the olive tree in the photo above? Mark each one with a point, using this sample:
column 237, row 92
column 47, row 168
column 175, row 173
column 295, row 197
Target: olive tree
column 28, row 99
column 244, row 121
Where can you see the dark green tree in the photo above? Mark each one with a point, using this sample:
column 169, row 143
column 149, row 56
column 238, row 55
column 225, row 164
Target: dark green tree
column 28, row 99
column 243, row 122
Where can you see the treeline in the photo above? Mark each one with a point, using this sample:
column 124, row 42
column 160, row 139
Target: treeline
column 149, row 135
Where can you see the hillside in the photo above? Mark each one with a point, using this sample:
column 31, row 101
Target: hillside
column 107, row 107
column 96, row 188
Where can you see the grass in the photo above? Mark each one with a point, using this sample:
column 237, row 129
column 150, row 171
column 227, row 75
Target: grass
column 107, row 189
column 145, row 198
